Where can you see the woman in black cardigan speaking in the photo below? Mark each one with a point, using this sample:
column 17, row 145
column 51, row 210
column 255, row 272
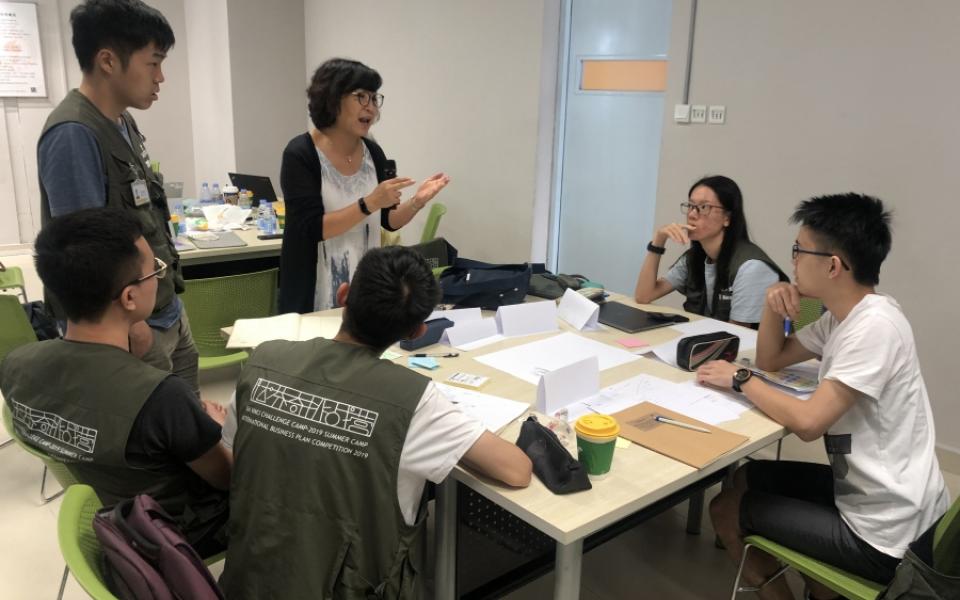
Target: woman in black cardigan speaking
column 327, row 233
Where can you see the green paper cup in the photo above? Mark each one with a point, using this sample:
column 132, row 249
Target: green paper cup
column 596, row 440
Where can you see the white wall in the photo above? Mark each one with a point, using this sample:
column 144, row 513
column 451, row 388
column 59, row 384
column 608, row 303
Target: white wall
column 462, row 87
column 827, row 97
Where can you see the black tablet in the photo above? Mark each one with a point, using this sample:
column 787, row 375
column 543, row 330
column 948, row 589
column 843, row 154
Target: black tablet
column 630, row 319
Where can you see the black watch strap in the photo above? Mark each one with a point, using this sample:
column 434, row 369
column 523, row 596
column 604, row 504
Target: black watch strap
column 655, row 249
column 363, row 206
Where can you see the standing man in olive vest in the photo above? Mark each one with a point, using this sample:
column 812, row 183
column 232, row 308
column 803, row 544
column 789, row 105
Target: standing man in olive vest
column 92, row 154
column 333, row 447
column 119, row 424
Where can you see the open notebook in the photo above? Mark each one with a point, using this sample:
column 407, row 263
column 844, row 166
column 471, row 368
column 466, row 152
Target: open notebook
column 248, row 333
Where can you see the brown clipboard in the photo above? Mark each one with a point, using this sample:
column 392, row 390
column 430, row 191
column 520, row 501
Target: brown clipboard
column 694, row 448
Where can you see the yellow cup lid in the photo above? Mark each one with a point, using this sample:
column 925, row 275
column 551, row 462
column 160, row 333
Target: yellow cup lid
column 598, row 425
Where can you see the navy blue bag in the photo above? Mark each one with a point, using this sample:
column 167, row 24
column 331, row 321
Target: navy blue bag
column 471, row 283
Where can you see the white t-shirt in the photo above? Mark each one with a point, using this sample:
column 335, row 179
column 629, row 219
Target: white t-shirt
column 338, row 256
column 748, row 291
column 438, row 437
column 887, row 482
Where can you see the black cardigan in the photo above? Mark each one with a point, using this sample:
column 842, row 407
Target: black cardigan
column 300, row 181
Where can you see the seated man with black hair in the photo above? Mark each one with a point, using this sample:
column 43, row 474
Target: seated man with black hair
column 333, row 448
column 883, row 487
column 119, row 424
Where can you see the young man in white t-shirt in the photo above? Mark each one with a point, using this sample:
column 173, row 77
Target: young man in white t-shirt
column 883, row 487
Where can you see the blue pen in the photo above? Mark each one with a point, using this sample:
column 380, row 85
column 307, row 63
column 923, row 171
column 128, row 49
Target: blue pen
column 786, row 327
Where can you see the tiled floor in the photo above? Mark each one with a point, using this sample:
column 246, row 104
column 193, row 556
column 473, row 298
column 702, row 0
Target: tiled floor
column 655, row 560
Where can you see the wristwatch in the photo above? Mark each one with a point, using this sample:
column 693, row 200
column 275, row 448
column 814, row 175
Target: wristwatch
column 655, row 249
column 363, row 206
column 741, row 377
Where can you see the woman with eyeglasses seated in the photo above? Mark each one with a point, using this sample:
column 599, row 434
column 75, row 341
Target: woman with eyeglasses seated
column 723, row 274
column 338, row 188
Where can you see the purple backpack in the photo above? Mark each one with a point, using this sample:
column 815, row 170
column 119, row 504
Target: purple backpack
column 147, row 557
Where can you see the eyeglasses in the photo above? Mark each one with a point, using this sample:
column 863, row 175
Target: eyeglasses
column 702, row 209
column 797, row 250
column 364, row 98
column 159, row 273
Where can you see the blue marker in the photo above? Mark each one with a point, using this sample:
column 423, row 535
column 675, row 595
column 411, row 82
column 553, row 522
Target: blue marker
column 786, row 327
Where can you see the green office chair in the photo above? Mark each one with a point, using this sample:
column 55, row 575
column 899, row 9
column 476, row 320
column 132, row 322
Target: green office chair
column 15, row 330
column 810, row 311
column 59, row 470
column 437, row 210
column 79, row 544
column 11, row 278
column 214, row 303
column 946, row 559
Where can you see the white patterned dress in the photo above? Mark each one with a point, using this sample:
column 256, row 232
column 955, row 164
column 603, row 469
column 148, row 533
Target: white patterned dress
column 337, row 257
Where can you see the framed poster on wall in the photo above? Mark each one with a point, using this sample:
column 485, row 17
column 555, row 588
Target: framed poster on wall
column 21, row 64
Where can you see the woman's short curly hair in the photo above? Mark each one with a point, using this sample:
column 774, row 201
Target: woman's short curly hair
column 331, row 81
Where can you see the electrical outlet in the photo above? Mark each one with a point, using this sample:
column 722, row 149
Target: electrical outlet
column 681, row 113
column 717, row 114
column 698, row 113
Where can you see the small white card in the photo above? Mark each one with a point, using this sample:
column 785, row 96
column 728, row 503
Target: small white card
column 578, row 311
column 469, row 331
column 527, row 318
column 457, row 315
column 568, row 384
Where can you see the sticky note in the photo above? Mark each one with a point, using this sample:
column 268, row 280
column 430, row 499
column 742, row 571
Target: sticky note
column 390, row 355
column 632, row 343
column 424, row 362
column 623, row 443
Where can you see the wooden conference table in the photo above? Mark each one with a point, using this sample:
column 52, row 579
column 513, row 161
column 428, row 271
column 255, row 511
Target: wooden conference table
column 639, row 478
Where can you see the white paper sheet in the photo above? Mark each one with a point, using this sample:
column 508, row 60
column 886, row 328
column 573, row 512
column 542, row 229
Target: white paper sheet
column 530, row 361
column 457, row 315
column 249, row 333
column 579, row 312
column 225, row 216
column 667, row 352
column 467, row 334
column 528, row 318
column 568, row 384
column 493, row 411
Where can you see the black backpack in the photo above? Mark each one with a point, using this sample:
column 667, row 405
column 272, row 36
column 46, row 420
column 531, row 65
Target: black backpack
column 471, row 283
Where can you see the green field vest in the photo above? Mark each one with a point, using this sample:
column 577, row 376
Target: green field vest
column 78, row 402
column 313, row 500
column 122, row 166
column 695, row 291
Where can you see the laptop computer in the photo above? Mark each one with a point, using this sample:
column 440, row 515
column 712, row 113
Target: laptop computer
column 258, row 184
column 630, row 319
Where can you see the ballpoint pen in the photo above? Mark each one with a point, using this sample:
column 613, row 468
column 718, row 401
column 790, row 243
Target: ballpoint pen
column 447, row 355
column 786, row 327
column 676, row 423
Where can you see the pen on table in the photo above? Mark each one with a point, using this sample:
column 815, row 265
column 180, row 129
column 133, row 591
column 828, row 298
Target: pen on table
column 669, row 421
column 786, row 327
column 447, row 355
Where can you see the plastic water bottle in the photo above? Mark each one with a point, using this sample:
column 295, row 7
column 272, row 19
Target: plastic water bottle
column 266, row 218
column 179, row 219
column 204, row 194
column 215, row 196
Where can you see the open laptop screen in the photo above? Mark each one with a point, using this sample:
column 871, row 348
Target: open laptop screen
column 258, row 184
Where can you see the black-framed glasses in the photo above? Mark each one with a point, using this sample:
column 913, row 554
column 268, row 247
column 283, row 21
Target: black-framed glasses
column 797, row 250
column 364, row 98
column 159, row 273
column 702, row 209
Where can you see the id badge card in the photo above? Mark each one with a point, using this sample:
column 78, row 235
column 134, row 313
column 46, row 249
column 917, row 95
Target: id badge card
column 141, row 195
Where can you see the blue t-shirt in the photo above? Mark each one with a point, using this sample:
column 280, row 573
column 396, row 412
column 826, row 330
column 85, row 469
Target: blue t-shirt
column 71, row 171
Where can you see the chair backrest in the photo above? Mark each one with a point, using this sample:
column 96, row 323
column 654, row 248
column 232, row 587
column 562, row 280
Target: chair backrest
column 78, row 543
column 217, row 302
column 15, row 329
column 437, row 210
column 810, row 311
column 59, row 470
column 946, row 541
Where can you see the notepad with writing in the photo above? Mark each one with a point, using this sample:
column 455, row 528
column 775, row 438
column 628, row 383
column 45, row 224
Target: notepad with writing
column 690, row 447
column 249, row 333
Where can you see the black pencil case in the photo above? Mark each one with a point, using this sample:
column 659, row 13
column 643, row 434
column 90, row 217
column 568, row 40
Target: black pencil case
column 695, row 350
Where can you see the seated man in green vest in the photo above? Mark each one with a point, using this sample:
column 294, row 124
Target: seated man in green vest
column 119, row 424
column 333, row 448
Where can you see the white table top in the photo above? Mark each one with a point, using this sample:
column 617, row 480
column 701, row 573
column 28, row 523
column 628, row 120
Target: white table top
column 255, row 248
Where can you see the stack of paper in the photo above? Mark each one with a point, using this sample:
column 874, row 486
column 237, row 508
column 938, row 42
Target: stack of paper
column 494, row 412
column 249, row 333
